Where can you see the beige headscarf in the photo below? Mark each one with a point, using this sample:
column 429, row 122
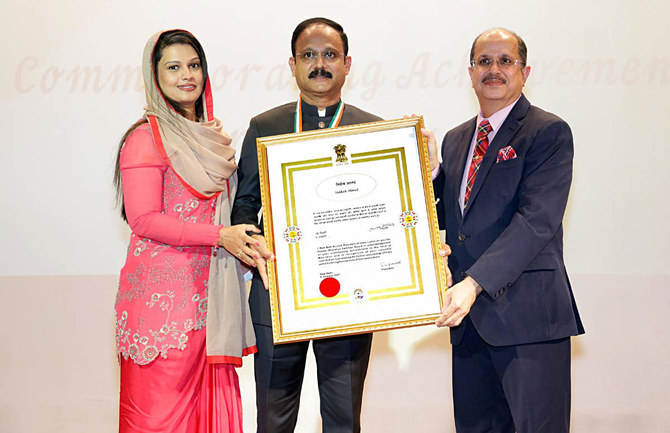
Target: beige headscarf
column 201, row 155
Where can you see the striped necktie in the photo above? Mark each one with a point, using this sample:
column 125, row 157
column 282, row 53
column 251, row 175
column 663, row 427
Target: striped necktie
column 477, row 156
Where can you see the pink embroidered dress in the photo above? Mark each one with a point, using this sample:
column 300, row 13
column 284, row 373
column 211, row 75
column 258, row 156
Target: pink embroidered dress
column 177, row 353
column 161, row 306
column 162, row 293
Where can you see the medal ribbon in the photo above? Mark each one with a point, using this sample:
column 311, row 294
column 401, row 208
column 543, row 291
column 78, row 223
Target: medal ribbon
column 297, row 122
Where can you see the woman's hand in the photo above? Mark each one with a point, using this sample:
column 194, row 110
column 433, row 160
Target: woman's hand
column 250, row 250
column 238, row 243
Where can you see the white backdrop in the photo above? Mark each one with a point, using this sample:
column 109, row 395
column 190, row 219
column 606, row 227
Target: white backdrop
column 70, row 86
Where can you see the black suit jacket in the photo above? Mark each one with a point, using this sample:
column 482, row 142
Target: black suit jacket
column 247, row 205
column 510, row 236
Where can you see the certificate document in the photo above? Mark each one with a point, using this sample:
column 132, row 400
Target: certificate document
column 350, row 216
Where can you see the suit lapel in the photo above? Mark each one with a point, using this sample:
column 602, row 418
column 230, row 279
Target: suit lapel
column 503, row 137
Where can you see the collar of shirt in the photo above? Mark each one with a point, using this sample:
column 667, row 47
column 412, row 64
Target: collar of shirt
column 313, row 110
column 496, row 120
column 312, row 117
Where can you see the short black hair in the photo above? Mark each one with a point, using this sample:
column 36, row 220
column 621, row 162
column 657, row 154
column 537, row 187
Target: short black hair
column 319, row 20
column 521, row 45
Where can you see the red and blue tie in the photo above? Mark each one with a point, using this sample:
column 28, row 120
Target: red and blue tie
column 477, row 156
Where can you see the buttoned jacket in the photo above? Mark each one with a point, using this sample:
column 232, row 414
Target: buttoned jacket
column 509, row 238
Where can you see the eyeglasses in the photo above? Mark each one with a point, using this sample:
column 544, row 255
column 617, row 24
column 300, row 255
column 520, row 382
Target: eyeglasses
column 502, row 62
column 327, row 54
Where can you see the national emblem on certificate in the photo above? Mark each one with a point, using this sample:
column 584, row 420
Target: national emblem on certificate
column 350, row 215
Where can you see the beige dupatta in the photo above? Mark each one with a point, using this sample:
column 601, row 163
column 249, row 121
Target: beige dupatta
column 201, row 156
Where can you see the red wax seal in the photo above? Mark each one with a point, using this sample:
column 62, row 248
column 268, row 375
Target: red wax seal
column 329, row 287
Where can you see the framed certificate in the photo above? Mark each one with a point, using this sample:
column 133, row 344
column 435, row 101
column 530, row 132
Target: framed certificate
column 349, row 213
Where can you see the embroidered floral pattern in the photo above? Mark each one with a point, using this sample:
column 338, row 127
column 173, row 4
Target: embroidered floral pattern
column 162, row 292
column 187, row 208
column 144, row 348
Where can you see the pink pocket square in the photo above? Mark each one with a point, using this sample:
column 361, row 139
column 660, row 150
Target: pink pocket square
column 506, row 153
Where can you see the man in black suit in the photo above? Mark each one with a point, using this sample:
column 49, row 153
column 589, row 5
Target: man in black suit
column 503, row 184
column 320, row 65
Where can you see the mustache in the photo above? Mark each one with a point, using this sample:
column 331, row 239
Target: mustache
column 489, row 77
column 320, row 72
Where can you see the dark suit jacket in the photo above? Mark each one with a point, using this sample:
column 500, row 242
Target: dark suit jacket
column 278, row 120
column 510, row 237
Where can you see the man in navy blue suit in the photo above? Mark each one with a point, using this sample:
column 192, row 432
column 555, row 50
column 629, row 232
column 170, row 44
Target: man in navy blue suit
column 503, row 186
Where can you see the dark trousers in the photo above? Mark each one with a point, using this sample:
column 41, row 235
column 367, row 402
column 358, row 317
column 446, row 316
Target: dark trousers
column 342, row 364
column 524, row 388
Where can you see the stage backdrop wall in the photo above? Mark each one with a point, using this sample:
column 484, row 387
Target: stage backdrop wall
column 70, row 85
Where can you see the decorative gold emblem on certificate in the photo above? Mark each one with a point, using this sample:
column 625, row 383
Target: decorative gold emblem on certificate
column 339, row 151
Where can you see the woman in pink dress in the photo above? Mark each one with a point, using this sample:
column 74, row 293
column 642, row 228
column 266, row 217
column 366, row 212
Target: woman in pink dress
column 182, row 318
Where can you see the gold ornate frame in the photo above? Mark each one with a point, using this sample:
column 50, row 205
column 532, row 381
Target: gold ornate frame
column 426, row 284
